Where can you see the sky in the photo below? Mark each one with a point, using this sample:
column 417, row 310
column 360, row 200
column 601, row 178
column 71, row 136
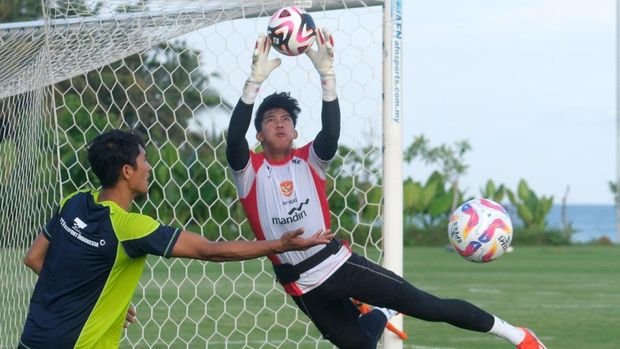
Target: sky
column 530, row 84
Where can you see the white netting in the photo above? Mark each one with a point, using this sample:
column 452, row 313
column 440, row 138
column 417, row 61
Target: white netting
column 173, row 70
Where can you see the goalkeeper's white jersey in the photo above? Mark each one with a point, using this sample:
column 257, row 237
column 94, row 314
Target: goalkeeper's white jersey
column 281, row 197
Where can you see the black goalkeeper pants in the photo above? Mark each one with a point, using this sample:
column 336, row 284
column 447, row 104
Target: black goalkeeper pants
column 338, row 319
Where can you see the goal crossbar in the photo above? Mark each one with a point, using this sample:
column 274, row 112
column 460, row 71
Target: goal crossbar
column 142, row 29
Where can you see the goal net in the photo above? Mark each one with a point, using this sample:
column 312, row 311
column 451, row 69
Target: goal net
column 173, row 70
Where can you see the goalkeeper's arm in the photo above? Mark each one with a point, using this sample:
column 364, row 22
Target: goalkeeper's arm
column 326, row 142
column 237, row 149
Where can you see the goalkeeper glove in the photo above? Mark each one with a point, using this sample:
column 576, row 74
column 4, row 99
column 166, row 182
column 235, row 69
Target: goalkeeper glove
column 323, row 61
column 261, row 68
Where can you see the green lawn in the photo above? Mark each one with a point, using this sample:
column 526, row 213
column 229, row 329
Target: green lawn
column 569, row 295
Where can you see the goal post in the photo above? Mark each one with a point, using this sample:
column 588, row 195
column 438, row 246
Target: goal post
column 393, row 148
column 173, row 70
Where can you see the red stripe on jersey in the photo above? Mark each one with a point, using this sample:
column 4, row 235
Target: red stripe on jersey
column 292, row 289
column 319, row 183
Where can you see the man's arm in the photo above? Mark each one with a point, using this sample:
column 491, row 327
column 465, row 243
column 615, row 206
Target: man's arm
column 237, row 149
column 192, row 245
column 326, row 142
column 36, row 253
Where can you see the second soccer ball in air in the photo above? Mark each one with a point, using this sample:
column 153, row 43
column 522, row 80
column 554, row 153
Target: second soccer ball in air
column 480, row 230
column 292, row 31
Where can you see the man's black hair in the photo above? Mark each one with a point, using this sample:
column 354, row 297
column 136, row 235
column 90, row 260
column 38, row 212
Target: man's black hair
column 277, row 100
column 110, row 151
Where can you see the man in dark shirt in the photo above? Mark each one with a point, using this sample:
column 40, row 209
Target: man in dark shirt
column 91, row 254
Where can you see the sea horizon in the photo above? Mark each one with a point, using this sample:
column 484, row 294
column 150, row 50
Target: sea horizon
column 590, row 222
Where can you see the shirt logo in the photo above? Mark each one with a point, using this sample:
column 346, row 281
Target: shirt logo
column 76, row 232
column 295, row 214
column 286, row 187
column 300, row 208
column 290, row 219
column 78, row 223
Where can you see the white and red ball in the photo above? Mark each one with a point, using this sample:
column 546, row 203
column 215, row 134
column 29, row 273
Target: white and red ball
column 292, row 31
column 480, row 230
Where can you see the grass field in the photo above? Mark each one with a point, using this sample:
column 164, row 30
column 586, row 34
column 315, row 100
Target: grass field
column 569, row 295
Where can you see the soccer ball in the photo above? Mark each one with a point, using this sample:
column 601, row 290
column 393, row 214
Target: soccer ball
column 292, row 31
column 480, row 230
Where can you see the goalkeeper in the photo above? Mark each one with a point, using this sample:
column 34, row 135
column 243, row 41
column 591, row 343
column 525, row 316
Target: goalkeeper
column 91, row 254
column 283, row 188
